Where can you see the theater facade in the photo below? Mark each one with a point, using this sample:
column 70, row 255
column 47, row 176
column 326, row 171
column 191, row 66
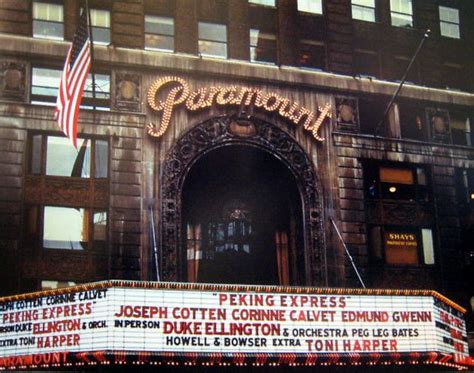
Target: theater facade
column 235, row 143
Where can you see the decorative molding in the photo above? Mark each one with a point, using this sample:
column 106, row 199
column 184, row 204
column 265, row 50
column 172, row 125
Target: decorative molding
column 62, row 265
column 13, row 80
column 127, row 92
column 399, row 213
column 347, row 114
column 215, row 133
column 66, row 191
column 439, row 125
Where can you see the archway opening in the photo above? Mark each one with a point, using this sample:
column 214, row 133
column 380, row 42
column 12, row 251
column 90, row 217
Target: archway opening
column 242, row 219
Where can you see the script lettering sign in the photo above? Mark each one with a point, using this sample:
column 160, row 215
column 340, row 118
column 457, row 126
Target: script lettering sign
column 180, row 94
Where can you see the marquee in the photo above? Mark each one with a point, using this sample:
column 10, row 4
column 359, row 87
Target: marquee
column 118, row 322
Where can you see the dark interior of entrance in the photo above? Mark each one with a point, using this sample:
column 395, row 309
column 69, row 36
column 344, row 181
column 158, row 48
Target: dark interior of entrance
column 242, row 219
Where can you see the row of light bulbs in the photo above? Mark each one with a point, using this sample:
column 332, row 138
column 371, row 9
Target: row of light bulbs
column 232, row 288
column 224, row 364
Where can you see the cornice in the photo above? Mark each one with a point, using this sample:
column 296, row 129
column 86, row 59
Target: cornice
column 52, row 51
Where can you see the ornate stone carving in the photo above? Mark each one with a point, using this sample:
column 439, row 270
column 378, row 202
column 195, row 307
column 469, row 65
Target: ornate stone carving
column 66, row 191
column 127, row 92
column 13, row 80
column 242, row 128
column 347, row 114
column 218, row 132
column 439, row 122
column 399, row 213
column 62, row 265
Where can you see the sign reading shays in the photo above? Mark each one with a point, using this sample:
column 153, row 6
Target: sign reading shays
column 205, row 320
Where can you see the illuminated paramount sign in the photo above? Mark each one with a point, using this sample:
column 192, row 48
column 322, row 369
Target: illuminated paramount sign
column 114, row 321
column 227, row 96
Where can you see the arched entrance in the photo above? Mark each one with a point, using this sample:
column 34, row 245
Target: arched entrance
column 242, row 219
column 228, row 139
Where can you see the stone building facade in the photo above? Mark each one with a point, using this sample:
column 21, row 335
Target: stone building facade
column 400, row 188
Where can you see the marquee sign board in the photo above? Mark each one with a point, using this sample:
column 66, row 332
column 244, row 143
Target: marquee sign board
column 108, row 321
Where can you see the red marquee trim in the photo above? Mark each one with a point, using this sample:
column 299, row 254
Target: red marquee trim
column 64, row 359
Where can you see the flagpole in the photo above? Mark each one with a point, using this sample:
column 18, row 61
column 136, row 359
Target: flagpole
column 89, row 23
column 348, row 253
column 154, row 244
column 404, row 78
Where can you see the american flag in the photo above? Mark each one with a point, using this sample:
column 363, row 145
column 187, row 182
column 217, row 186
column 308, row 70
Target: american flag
column 73, row 79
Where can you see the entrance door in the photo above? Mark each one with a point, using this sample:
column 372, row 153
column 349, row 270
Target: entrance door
column 242, row 220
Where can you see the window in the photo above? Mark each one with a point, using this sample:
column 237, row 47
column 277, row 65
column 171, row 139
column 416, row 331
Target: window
column 65, row 228
column 413, row 123
column 54, row 156
column 461, row 129
column 100, row 21
column 262, row 47
column 102, row 92
column 312, row 54
column 371, row 112
column 454, row 77
column 48, row 21
column 428, row 247
column 465, row 186
column 402, row 246
column 64, row 160
column 159, row 33
column 73, row 228
column 396, row 182
column 69, row 228
column 374, row 120
column 402, row 13
column 74, row 216
column 45, row 83
column 263, row 2
column 363, row 10
column 99, row 229
column 310, row 6
column 449, row 22
column 212, row 40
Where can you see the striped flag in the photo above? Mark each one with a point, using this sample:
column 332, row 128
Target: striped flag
column 73, row 79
